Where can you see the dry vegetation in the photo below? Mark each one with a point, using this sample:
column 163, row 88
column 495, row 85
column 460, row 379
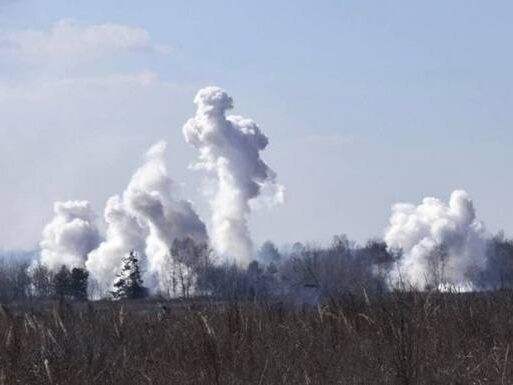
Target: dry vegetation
column 397, row 339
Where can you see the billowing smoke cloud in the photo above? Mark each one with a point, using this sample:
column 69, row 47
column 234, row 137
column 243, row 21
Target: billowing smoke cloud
column 147, row 219
column 442, row 245
column 230, row 146
column 150, row 196
column 70, row 236
column 124, row 234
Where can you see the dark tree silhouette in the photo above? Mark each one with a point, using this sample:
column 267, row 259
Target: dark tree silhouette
column 42, row 281
column 78, row 284
column 62, row 281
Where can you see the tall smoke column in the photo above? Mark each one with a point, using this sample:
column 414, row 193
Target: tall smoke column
column 70, row 236
column 230, row 146
column 150, row 196
column 420, row 230
column 147, row 218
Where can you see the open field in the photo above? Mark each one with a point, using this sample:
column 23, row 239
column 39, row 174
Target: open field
column 397, row 339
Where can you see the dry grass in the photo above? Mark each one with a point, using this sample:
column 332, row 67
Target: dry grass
column 398, row 339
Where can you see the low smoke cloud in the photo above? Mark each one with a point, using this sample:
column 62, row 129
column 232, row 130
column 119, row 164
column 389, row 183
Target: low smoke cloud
column 442, row 245
column 70, row 236
column 230, row 146
column 146, row 219
column 124, row 234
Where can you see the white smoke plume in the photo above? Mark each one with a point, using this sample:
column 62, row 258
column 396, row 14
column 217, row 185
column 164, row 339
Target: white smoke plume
column 230, row 147
column 147, row 219
column 70, row 236
column 150, row 196
column 124, row 234
column 441, row 244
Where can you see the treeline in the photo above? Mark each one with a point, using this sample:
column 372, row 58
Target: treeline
column 311, row 273
column 22, row 281
column 303, row 273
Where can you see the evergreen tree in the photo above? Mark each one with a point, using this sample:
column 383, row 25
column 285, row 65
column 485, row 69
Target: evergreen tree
column 61, row 282
column 129, row 284
column 42, row 281
column 78, row 283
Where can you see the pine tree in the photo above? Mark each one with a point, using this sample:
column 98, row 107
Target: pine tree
column 61, row 282
column 78, row 283
column 129, row 284
column 42, row 281
column 71, row 284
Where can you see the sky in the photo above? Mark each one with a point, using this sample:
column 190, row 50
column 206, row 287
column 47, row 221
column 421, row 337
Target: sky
column 365, row 103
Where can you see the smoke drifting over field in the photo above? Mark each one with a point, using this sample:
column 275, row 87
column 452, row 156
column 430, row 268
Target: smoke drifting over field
column 441, row 243
column 230, row 146
column 432, row 244
column 124, row 233
column 151, row 197
column 70, row 236
column 146, row 219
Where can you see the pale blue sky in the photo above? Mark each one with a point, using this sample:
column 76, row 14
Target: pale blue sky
column 366, row 103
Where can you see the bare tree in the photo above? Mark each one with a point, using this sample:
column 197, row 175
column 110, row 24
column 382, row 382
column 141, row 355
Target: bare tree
column 188, row 260
column 437, row 261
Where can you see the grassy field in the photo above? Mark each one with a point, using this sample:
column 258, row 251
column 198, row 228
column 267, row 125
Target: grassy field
column 396, row 339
